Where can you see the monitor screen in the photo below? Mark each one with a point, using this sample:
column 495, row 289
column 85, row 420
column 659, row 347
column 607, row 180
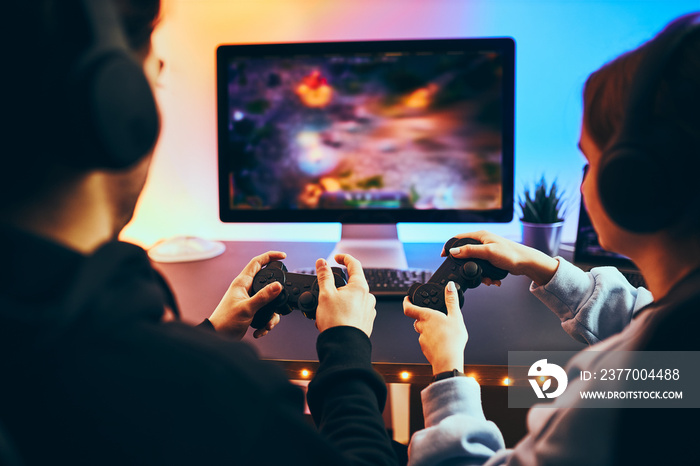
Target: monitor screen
column 366, row 132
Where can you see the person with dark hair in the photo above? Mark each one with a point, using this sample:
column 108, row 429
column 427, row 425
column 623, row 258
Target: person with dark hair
column 640, row 134
column 96, row 368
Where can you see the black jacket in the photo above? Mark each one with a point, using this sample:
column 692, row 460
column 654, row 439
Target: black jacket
column 89, row 374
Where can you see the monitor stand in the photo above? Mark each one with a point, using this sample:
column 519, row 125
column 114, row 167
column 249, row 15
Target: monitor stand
column 375, row 246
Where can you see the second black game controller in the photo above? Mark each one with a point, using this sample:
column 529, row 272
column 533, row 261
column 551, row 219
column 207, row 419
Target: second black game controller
column 465, row 273
column 299, row 291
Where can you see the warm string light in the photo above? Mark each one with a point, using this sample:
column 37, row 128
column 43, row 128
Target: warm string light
column 305, row 373
column 407, row 376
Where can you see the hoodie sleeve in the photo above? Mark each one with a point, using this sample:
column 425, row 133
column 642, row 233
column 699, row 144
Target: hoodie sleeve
column 591, row 305
column 347, row 396
column 456, row 431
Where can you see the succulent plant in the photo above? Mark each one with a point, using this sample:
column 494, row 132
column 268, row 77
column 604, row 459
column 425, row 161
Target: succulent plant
column 542, row 204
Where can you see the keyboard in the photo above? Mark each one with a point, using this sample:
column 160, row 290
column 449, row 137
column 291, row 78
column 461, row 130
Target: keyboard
column 388, row 283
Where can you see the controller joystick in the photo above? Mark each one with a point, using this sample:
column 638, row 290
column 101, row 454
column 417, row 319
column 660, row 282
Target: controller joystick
column 299, row 291
column 307, row 301
column 465, row 273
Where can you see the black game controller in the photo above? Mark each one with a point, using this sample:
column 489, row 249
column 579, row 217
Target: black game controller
column 465, row 273
column 300, row 291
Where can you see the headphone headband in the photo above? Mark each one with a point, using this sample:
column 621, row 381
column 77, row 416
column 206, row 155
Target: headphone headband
column 638, row 188
column 659, row 51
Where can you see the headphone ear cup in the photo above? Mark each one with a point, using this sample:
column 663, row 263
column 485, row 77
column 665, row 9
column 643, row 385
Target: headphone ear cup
column 113, row 118
column 122, row 111
column 633, row 191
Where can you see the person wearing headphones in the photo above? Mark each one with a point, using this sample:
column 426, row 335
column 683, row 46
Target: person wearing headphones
column 95, row 369
column 640, row 135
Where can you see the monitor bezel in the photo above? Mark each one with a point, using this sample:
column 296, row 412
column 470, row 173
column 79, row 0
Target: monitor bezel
column 503, row 45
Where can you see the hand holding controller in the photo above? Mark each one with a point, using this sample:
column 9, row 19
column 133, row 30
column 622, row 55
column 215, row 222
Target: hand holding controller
column 465, row 273
column 300, row 291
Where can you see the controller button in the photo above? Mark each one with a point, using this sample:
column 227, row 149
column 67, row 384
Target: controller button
column 433, row 292
column 262, row 280
column 426, row 301
column 435, row 300
column 424, row 294
column 443, row 281
column 288, row 283
column 453, row 278
column 296, row 290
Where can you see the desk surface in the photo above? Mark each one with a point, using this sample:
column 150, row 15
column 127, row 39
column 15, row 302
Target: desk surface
column 499, row 320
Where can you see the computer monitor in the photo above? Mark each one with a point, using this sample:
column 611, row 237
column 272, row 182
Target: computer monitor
column 367, row 134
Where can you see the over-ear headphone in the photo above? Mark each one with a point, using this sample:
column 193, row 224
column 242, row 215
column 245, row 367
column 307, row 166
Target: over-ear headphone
column 639, row 185
column 117, row 121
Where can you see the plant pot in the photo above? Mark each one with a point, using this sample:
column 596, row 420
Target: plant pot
column 545, row 237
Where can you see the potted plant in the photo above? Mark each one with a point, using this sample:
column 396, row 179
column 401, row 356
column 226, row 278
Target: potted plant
column 542, row 210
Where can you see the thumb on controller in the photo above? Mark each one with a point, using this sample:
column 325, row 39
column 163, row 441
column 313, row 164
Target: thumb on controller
column 452, row 298
column 324, row 275
column 266, row 296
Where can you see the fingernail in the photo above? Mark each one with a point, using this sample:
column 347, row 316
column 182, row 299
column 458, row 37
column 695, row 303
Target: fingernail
column 451, row 287
column 454, row 251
